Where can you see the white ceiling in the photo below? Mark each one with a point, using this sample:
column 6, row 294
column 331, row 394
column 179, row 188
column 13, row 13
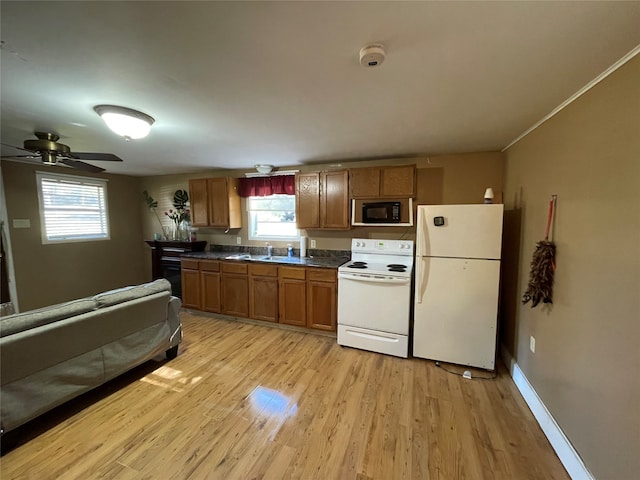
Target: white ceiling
column 233, row 84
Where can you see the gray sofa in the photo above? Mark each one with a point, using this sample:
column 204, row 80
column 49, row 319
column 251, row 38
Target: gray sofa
column 53, row 354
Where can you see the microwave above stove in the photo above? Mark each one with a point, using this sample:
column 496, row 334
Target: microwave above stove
column 381, row 212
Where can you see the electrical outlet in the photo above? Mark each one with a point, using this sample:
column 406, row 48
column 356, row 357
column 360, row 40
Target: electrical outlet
column 532, row 343
column 239, row 240
column 313, row 244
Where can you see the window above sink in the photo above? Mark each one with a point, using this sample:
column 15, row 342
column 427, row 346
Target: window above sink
column 272, row 218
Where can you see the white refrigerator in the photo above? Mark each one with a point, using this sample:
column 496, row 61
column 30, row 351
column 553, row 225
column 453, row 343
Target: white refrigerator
column 457, row 269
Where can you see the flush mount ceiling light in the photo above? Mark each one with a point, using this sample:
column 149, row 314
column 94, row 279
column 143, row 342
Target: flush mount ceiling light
column 126, row 122
column 264, row 168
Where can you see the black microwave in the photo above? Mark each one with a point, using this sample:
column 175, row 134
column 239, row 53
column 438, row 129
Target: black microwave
column 381, row 212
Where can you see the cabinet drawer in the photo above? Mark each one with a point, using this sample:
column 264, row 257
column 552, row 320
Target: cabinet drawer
column 292, row 272
column 209, row 266
column 190, row 263
column 321, row 274
column 263, row 270
column 234, row 268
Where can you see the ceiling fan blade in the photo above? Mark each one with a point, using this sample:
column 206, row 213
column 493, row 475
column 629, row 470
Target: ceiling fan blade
column 18, row 148
column 80, row 165
column 33, row 155
column 108, row 157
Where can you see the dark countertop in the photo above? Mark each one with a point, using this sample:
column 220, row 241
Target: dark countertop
column 322, row 262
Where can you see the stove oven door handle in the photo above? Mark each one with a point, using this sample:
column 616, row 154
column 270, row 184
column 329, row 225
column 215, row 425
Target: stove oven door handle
column 367, row 279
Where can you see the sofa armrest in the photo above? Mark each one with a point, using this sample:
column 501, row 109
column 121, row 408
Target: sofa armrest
column 173, row 318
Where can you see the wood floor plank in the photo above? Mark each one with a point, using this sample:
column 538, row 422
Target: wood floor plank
column 247, row 401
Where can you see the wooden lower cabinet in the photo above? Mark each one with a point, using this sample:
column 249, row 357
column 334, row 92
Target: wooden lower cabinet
column 190, row 277
column 210, row 286
column 263, row 292
column 234, row 288
column 322, row 299
column 304, row 297
column 292, row 291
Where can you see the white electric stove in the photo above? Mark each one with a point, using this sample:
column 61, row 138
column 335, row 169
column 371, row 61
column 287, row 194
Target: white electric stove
column 374, row 296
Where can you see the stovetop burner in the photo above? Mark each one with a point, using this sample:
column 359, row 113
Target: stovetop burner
column 397, row 268
column 378, row 259
column 358, row 265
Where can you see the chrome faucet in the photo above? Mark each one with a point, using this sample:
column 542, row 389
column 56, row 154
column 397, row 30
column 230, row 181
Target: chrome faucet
column 269, row 249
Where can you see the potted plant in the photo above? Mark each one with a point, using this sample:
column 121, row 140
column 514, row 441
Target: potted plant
column 152, row 205
column 180, row 216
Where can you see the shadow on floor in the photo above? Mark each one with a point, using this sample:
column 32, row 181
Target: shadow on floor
column 53, row 417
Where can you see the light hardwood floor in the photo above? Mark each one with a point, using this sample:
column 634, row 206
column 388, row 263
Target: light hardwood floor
column 244, row 401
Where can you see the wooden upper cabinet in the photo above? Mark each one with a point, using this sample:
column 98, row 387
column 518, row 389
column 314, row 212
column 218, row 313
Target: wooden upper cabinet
column 215, row 202
column 379, row 182
column 198, row 201
column 308, row 200
column 334, row 199
column 398, row 181
column 322, row 200
column 364, row 182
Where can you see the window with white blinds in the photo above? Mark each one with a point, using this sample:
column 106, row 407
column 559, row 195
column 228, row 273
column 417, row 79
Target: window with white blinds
column 72, row 208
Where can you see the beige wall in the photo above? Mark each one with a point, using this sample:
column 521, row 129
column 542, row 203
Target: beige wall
column 53, row 273
column 460, row 178
column 585, row 368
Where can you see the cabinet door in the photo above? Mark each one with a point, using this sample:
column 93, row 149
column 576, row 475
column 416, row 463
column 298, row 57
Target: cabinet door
column 308, row 200
column 364, row 182
column 263, row 298
column 398, row 181
column 191, row 288
column 218, row 202
column 199, row 202
column 293, row 302
column 321, row 305
column 334, row 199
column 210, row 285
column 235, row 295
column 234, row 209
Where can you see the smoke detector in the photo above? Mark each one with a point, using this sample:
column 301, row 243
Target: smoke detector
column 372, row 55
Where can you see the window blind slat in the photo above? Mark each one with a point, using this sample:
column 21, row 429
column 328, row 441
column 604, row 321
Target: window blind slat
column 73, row 208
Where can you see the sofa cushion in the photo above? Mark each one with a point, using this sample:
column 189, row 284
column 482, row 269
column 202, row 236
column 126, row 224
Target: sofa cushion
column 125, row 294
column 20, row 322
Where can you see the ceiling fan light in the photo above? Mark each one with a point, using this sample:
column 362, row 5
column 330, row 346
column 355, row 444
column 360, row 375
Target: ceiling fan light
column 125, row 122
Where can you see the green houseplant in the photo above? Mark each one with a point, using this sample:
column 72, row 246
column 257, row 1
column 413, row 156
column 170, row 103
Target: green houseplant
column 181, row 215
column 152, row 205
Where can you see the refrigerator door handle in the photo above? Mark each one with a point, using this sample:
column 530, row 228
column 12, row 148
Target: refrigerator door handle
column 419, row 282
column 422, row 232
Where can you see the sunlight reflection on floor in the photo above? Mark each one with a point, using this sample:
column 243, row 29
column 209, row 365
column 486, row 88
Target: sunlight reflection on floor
column 271, row 402
column 171, row 374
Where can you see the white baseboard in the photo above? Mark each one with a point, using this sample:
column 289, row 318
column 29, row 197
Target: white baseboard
column 560, row 443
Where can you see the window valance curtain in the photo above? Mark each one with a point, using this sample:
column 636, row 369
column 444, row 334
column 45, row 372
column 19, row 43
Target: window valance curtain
column 265, row 186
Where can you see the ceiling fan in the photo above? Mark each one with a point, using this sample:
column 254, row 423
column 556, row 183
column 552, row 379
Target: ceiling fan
column 47, row 148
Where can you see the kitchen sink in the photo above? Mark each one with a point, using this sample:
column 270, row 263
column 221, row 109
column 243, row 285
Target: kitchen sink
column 239, row 256
column 277, row 259
column 263, row 258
